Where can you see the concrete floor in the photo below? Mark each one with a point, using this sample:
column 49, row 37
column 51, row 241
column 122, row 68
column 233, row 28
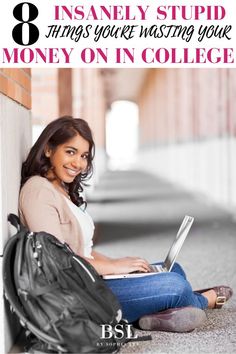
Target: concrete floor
column 138, row 214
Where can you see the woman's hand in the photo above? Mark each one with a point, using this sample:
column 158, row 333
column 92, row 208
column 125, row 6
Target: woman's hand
column 129, row 265
column 106, row 265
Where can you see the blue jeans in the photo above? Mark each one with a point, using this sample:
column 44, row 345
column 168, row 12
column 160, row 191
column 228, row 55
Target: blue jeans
column 151, row 294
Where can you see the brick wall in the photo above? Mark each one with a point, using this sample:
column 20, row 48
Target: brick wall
column 16, row 84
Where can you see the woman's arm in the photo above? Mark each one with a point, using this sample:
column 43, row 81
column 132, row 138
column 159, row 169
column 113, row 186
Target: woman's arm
column 105, row 265
column 37, row 208
column 99, row 256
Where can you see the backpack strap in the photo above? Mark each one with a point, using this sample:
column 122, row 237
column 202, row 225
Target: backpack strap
column 15, row 221
column 141, row 338
column 21, row 231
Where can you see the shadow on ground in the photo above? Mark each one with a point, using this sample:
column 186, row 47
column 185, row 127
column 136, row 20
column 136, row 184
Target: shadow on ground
column 138, row 214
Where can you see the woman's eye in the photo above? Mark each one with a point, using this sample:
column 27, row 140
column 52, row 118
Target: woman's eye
column 85, row 157
column 70, row 152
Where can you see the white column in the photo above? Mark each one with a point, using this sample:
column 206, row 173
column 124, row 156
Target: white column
column 15, row 140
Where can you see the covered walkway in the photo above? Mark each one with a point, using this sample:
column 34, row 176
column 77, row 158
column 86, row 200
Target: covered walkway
column 186, row 135
column 139, row 214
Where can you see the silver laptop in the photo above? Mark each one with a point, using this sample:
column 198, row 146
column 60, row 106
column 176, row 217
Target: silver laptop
column 171, row 256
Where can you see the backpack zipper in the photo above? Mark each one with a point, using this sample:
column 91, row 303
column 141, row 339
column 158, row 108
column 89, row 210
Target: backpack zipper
column 77, row 260
column 84, row 267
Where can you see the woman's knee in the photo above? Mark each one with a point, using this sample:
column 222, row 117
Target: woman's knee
column 180, row 286
column 177, row 268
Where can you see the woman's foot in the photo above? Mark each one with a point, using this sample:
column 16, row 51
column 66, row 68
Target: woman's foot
column 217, row 296
column 211, row 297
column 181, row 319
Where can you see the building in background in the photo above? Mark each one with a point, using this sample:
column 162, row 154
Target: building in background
column 187, row 130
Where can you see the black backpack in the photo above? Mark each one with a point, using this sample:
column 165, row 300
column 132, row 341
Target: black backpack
column 59, row 297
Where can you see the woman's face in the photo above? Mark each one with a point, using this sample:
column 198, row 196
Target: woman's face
column 68, row 160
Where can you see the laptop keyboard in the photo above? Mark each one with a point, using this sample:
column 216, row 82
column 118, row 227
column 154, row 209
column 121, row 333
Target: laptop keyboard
column 156, row 268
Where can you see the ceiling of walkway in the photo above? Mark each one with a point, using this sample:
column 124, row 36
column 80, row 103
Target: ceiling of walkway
column 123, row 84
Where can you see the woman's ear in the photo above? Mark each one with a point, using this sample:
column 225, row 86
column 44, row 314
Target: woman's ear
column 47, row 152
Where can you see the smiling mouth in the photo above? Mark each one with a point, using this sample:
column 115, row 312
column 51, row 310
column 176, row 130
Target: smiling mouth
column 72, row 172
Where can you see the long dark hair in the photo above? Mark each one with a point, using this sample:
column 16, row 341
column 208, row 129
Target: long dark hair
column 56, row 133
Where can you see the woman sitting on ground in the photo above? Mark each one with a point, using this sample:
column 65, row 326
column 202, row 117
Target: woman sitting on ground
column 50, row 200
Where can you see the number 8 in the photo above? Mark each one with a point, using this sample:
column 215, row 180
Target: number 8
column 33, row 32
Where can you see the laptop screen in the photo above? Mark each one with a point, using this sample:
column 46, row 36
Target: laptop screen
column 178, row 242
